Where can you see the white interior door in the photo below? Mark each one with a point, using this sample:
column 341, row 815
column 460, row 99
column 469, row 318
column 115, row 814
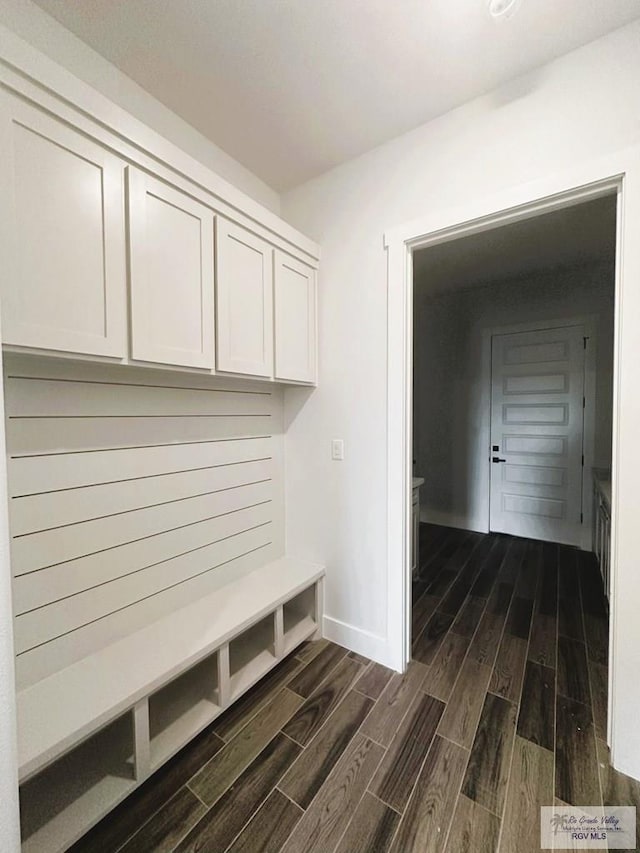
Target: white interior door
column 537, row 424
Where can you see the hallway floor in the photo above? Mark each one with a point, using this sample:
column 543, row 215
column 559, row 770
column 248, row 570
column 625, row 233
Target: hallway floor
column 502, row 709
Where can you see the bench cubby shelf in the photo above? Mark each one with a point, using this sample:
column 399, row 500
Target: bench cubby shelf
column 251, row 655
column 86, row 781
column 90, row 734
column 181, row 709
column 299, row 617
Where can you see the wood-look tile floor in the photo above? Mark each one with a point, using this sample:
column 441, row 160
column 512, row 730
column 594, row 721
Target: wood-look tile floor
column 503, row 709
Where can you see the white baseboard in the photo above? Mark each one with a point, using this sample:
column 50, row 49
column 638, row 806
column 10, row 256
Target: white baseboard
column 448, row 519
column 357, row 640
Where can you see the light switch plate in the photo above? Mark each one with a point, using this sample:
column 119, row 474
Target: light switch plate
column 337, row 449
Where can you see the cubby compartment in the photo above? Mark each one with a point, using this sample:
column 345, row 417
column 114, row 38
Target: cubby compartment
column 251, row 655
column 299, row 618
column 63, row 800
column 183, row 708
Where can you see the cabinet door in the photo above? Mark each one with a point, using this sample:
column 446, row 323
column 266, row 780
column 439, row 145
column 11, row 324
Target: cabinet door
column 64, row 280
column 244, row 302
column 295, row 320
column 171, row 274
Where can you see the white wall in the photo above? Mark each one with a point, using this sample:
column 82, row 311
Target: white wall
column 581, row 106
column 451, row 452
column 42, row 31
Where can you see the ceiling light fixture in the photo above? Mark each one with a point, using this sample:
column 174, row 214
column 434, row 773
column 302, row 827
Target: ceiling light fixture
column 503, row 9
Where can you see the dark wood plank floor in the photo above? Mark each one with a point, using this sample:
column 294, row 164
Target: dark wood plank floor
column 503, row 709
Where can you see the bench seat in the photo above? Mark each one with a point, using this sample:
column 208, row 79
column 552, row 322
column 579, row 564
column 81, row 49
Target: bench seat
column 246, row 626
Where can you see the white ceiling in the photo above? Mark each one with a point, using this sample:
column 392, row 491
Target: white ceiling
column 565, row 238
column 291, row 88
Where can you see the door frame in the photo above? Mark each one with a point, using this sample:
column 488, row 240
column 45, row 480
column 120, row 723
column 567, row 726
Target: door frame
column 617, row 174
column 590, row 325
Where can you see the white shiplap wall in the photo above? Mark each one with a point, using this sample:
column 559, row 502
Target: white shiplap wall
column 132, row 492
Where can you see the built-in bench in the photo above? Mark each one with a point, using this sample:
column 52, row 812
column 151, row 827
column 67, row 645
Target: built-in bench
column 91, row 733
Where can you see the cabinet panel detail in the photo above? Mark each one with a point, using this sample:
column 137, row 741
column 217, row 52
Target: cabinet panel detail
column 64, row 242
column 295, row 320
column 171, row 259
column 244, row 302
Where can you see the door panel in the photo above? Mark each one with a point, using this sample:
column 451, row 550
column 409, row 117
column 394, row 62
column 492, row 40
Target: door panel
column 537, row 425
column 534, row 476
column 535, row 353
column 524, row 413
column 530, row 445
column 547, row 383
column 532, row 506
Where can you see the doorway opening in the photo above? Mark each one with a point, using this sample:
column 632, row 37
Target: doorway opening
column 513, row 378
column 513, row 350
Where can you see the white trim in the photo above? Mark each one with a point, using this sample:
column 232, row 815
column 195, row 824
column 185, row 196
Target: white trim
column 514, row 204
column 624, row 223
column 450, row 519
column 619, row 173
column 9, row 812
column 364, row 643
column 399, row 442
column 590, row 325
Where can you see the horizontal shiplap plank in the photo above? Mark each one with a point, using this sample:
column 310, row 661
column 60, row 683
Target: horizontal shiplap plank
column 35, row 474
column 47, row 623
column 39, row 550
column 132, row 493
column 51, row 657
column 57, row 435
column 53, row 398
column 54, row 509
column 190, row 544
column 36, row 368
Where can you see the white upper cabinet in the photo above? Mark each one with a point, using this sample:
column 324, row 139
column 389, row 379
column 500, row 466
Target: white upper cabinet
column 244, row 306
column 171, row 264
column 110, row 250
column 63, row 285
column 295, row 320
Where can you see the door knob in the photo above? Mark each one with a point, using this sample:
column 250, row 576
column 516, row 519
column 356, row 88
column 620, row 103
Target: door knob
column 497, row 459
